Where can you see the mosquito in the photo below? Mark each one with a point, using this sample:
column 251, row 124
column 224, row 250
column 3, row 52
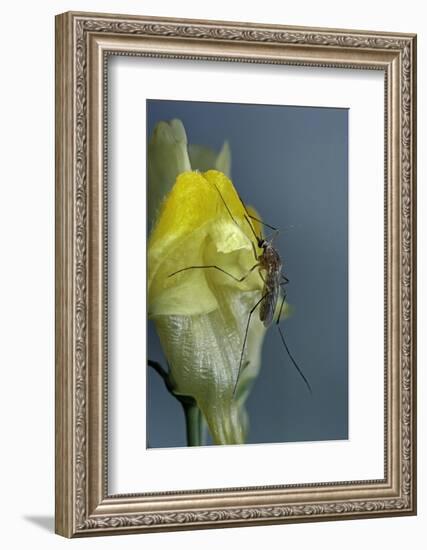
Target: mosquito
column 270, row 268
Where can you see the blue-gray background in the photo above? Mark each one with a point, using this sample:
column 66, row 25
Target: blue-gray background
column 291, row 163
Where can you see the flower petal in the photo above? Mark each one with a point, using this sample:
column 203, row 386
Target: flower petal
column 201, row 313
column 167, row 158
column 204, row 158
column 204, row 354
column 195, row 229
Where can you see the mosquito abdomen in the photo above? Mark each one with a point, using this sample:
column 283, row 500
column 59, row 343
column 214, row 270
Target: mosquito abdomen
column 268, row 306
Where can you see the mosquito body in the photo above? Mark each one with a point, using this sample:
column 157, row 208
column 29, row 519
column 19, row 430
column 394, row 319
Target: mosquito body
column 271, row 264
column 270, row 268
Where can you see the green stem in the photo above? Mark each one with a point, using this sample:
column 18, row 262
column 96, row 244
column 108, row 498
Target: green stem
column 193, row 423
column 193, row 415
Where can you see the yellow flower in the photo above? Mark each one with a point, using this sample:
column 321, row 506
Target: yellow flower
column 170, row 155
column 201, row 313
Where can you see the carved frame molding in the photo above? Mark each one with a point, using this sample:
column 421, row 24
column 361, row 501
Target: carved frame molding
column 83, row 43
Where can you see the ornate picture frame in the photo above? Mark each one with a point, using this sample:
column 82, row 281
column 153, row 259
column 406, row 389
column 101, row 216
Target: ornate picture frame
column 84, row 42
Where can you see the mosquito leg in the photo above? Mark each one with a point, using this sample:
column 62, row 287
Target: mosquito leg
column 238, row 279
column 234, row 220
column 263, row 223
column 245, row 338
column 283, row 283
column 307, row 383
column 252, row 228
column 272, row 238
column 249, row 218
column 281, row 307
column 270, row 226
column 225, row 204
column 253, row 248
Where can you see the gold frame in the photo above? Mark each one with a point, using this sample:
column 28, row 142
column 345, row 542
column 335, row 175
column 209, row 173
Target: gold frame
column 83, row 42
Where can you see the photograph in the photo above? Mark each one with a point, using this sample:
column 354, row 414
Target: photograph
column 235, row 273
column 214, row 207
column 247, row 262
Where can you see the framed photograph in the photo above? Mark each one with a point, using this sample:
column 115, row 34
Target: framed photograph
column 235, row 274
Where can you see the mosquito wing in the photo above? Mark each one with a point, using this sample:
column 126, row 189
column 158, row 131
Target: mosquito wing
column 268, row 305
